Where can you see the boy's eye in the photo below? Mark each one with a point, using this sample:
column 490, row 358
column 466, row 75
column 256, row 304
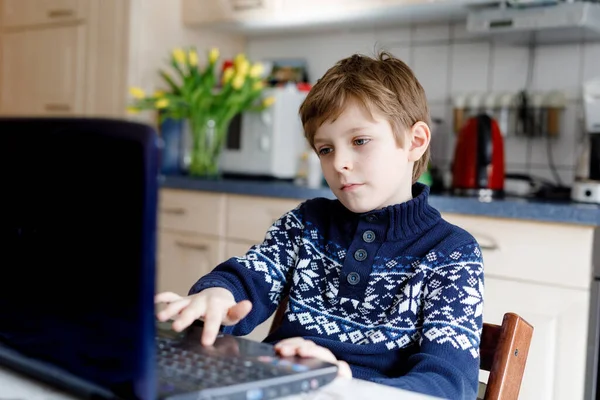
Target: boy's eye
column 324, row 151
column 360, row 142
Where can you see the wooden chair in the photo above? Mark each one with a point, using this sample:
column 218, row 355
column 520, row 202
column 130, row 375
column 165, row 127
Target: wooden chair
column 503, row 351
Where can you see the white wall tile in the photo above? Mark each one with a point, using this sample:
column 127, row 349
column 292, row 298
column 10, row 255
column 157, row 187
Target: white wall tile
column 428, row 32
column 591, row 61
column 430, row 64
column 558, row 67
column 509, row 68
column 470, row 66
column 516, row 151
column 448, row 60
column 563, row 147
column 440, row 152
column 566, row 175
column 387, row 36
column 320, row 51
column 458, row 31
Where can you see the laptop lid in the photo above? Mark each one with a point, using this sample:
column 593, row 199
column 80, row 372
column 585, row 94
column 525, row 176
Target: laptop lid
column 77, row 231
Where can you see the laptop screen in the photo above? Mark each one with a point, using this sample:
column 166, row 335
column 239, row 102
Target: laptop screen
column 77, row 226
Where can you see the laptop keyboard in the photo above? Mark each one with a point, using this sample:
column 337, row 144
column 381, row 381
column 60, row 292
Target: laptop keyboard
column 196, row 368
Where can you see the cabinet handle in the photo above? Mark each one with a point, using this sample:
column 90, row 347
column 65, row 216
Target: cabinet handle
column 194, row 246
column 57, row 107
column 489, row 247
column 174, row 210
column 244, row 5
column 60, row 13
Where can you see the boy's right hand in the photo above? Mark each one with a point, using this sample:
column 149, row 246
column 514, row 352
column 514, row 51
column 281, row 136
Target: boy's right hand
column 216, row 306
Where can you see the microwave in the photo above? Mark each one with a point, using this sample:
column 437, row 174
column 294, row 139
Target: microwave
column 269, row 143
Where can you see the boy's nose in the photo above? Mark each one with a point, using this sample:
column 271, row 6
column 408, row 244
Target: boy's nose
column 342, row 161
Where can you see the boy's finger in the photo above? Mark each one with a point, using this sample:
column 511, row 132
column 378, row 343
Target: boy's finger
column 237, row 312
column 166, row 297
column 344, row 370
column 172, row 309
column 292, row 342
column 212, row 322
column 193, row 311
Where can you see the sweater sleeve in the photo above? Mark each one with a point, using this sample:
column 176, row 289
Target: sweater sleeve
column 447, row 361
column 262, row 274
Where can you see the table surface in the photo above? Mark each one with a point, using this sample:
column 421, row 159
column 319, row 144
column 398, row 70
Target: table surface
column 17, row 386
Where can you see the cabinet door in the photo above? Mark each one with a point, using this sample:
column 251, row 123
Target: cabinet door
column 198, row 12
column 43, row 71
column 184, row 258
column 23, row 13
column 556, row 363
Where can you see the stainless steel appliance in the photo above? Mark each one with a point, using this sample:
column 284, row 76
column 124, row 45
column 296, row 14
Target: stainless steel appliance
column 269, row 143
column 586, row 187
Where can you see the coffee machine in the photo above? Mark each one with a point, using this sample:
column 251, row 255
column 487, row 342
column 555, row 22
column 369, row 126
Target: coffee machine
column 586, row 187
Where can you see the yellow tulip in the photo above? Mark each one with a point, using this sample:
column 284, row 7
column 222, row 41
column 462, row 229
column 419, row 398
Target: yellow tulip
column 256, row 70
column 179, row 55
column 137, row 93
column 243, row 67
column 159, row 93
column 240, row 58
column 133, row 110
column 161, row 103
column 213, row 55
column 268, row 101
column 238, row 81
column 193, row 58
column 228, row 74
column 258, row 85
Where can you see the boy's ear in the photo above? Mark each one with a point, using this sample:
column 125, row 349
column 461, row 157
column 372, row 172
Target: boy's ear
column 419, row 136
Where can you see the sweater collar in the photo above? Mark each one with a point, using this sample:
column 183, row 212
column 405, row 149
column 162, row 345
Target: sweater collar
column 408, row 219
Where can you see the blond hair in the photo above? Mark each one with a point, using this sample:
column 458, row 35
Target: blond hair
column 384, row 85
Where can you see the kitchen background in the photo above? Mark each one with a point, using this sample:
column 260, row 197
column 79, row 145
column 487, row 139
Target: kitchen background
column 79, row 57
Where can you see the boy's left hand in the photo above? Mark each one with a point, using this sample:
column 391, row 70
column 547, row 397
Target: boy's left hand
column 306, row 348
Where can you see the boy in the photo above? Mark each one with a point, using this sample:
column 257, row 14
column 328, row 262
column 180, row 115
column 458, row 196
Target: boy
column 377, row 281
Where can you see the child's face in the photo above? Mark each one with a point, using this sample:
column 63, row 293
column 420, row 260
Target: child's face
column 362, row 162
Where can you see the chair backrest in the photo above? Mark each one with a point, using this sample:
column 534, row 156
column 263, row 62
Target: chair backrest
column 503, row 351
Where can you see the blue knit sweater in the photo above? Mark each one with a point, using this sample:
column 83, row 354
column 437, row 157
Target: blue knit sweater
column 396, row 292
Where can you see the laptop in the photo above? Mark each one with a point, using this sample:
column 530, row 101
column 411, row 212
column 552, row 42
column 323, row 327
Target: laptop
column 78, row 223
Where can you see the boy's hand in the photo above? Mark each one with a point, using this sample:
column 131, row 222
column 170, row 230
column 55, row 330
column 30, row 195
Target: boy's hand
column 216, row 306
column 306, row 348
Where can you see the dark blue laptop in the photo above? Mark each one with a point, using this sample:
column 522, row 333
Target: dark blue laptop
column 78, row 212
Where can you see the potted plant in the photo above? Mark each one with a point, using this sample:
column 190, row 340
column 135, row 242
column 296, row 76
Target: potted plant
column 207, row 102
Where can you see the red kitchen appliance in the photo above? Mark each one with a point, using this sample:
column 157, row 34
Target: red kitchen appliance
column 478, row 167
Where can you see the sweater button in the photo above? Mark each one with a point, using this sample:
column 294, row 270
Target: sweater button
column 353, row 278
column 360, row 255
column 369, row 236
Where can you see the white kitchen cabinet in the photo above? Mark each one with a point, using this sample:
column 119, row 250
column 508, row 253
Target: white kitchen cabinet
column 555, row 366
column 29, row 13
column 203, row 12
column 79, row 57
column 543, row 272
column 183, row 258
column 259, row 16
column 41, row 71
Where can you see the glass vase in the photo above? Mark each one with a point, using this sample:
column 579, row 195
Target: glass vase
column 207, row 140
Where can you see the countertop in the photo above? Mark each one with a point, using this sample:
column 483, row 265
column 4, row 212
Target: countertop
column 514, row 208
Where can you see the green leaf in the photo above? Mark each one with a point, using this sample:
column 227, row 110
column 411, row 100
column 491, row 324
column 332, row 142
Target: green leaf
column 174, row 87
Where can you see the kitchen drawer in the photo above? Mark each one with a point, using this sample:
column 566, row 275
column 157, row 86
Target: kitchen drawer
column 192, row 211
column 183, row 258
column 557, row 254
column 26, row 13
column 249, row 217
